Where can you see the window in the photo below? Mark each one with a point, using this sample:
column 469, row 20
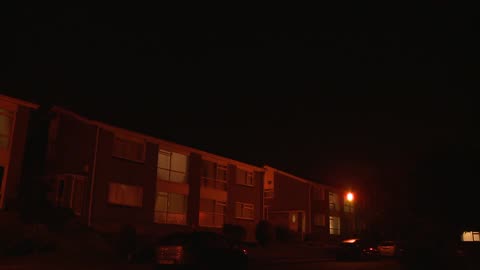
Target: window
column 128, row 149
column 170, row 208
column 212, row 213
column 471, row 236
column 214, row 175
column 172, row 167
column 127, row 195
column 348, row 207
column 333, row 201
column 319, row 219
column 318, row 194
column 268, row 194
column 6, row 121
column 244, row 178
column 334, row 225
column 244, row 210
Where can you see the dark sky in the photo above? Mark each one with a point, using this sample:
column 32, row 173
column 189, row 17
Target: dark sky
column 355, row 106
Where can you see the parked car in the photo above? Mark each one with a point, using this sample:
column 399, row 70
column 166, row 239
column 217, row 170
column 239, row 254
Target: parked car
column 357, row 249
column 387, row 248
column 200, row 249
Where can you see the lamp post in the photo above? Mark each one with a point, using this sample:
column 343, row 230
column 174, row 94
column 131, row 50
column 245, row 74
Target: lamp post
column 350, row 197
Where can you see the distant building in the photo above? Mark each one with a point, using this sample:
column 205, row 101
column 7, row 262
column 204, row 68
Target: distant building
column 309, row 209
column 14, row 122
column 112, row 177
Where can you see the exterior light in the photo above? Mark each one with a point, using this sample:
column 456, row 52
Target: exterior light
column 350, row 196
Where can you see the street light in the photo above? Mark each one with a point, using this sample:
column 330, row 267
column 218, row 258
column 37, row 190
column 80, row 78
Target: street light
column 350, row 196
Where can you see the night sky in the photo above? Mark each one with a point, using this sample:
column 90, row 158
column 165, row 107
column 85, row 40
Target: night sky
column 360, row 108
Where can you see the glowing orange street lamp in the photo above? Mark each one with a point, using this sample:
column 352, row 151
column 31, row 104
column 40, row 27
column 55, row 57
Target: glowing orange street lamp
column 350, row 196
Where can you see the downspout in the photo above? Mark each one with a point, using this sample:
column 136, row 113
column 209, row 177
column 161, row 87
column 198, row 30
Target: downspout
column 92, row 184
column 309, row 216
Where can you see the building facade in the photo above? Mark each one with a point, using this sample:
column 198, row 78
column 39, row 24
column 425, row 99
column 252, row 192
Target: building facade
column 112, row 177
column 14, row 122
column 307, row 208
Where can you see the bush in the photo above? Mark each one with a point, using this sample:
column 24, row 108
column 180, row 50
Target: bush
column 126, row 241
column 58, row 218
column 264, row 232
column 284, row 234
column 235, row 233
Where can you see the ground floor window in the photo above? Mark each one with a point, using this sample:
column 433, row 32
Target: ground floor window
column 334, row 225
column 244, row 210
column 212, row 213
column 170, row 208
column 471, row 236
column 128, row 195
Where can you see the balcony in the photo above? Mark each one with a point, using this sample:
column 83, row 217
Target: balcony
column 214, row 189
column 162, row 217
column 213, row 183
column 211, row 219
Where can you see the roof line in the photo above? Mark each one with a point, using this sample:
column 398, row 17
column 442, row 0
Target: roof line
column 306, row 181
column 20, row 102
column 151, row 138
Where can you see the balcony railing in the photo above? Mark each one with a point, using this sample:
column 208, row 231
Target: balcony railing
column 214, row 183
column 211, row 219
column 169, row 218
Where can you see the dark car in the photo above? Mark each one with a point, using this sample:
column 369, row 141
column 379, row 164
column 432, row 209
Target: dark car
column 357, row 249
column 200, row 249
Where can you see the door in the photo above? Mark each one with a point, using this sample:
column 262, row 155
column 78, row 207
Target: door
column 300, row 222
column 70, row 192
column 78, row 194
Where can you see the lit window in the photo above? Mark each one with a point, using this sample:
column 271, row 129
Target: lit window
column 212, row 213
column 172, row 166
column 244, row 178
column 170, row 208
column 334, row 225
column 244, row 210
column 6, row 120
column 127, row 195
column 128, row 149
column 471, row 236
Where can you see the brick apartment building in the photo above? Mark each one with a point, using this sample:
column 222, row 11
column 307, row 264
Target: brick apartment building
column 306, row 207
column 14, row 122
column 112, row 177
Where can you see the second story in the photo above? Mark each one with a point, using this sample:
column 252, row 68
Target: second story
column 284, row 191
column 14, row 120
column 77, row 144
